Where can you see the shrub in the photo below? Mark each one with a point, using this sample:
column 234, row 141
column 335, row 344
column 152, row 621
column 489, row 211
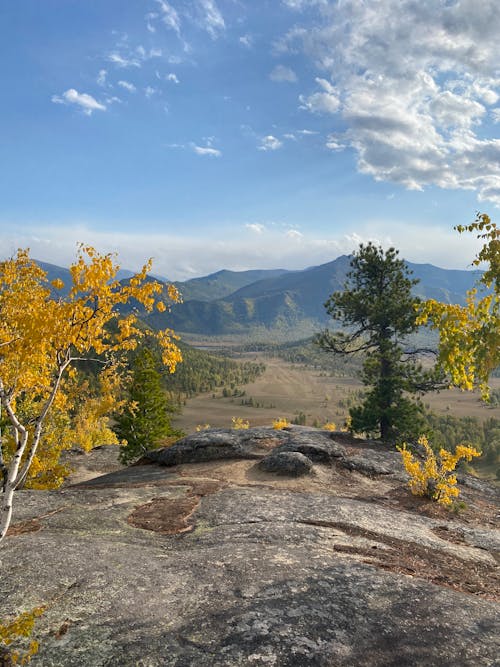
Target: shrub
column 15, row 631
column 329, row 426
column 433, row 477
column 280, row 423
column 239, row 423
column 202, row 427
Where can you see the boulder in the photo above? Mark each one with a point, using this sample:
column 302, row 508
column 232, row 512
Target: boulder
column 216, row 444
column 294, row 464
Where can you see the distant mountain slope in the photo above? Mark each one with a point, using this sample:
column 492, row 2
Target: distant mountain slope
column 288, row 301
column 296, row 297
column 223, row 283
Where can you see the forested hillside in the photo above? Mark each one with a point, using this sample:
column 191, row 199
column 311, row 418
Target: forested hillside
column 291, row 304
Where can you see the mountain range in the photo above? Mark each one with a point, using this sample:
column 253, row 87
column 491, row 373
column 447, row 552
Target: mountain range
column 278, row 301
column 287, row 300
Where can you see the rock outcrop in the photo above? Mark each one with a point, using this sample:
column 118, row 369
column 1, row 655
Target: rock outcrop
column 218, row 563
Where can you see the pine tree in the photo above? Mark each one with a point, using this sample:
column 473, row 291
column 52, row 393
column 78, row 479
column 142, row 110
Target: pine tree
column 144, row 421
column 379, row 310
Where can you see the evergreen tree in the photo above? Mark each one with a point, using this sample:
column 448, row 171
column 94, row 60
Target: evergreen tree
column 379, row 310
column 144, row 421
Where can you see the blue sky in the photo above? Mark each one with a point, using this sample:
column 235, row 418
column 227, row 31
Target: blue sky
column 234, row 134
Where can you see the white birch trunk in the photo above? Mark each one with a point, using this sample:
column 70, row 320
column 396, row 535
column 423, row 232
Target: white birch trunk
column 14, row 477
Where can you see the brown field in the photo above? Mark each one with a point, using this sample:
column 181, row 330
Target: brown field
column 284, row 390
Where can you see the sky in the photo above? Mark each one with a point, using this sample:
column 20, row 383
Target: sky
column 242, row 134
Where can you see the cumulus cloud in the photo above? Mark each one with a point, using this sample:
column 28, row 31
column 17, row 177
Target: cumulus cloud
column 87, row 103
column 281, row 74
column 172, row 77
column 180, row 257
column 294, row 234
column 326, row 101
column 270, row 143
column 334, row 144
column 413, row 98
column 127, row 86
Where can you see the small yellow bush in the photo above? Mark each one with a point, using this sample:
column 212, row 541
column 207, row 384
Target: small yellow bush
column 202, row 427
column 280, row 423
column 239, row 423
column 433, row 477
column 329, row 426
column 17, row 629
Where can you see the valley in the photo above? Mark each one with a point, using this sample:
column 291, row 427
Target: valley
column 286, row 390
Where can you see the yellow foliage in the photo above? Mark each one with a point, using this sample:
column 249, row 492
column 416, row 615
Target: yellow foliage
column 42, row 337
column 18, row 629
column 469, row 336
column 433, row 477
column 202, row 427
column 239, row 423
column 280, row 423
column 329, row 426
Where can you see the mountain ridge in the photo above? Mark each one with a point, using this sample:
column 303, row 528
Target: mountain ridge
column 277, row 300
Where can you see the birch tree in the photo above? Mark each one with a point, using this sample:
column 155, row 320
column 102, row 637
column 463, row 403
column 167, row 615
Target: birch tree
column 469, row 336
column 43, row 336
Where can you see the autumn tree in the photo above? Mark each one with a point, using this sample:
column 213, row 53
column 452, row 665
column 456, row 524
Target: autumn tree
column 144, row 421
column 469, row 336
column 377, row 309
column 42, row 338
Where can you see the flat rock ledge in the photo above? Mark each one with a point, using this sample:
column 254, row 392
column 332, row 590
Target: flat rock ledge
column 218, row 563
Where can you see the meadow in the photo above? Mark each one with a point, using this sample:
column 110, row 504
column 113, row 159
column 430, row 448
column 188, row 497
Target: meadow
column 286, row 390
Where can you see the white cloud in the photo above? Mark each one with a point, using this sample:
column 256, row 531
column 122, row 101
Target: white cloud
column 496, row 115
column 294, row 234
column 169, row 16
column 334, row 144
column 299, row 5
column 172, row 77
column 270, row 143
column 255, row 227
column 206, row 150
column 101, row 77
column 246, row 41
column 150, row 17
column 281, row 74
column 149, row 91
column 123, row 61
column 413, row 98
column 86, row 102
column 180, row 257
column 127, row 86
column 212, row 20
column 323, row 102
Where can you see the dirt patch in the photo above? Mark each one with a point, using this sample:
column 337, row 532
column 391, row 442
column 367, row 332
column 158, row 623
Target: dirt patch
column 171, row 516
column 449, row 534
column 165, row 515
column 29, row 526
